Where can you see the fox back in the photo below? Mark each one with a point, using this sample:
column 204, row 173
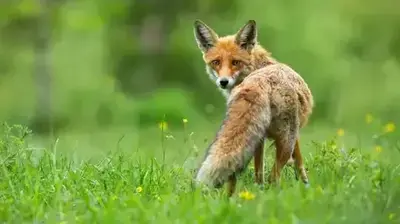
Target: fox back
column 286, row 91
column 229, row 59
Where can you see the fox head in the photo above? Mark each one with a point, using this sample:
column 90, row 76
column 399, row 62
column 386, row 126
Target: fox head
column 228, row 59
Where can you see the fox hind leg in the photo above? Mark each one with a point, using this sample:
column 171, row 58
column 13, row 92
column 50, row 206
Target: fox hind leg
column 259, row 162
column 285, row 142
column 298, row 163
column 283, row 152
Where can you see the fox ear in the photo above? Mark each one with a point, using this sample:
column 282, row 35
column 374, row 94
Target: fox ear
column 246, row 37
column 205, row 36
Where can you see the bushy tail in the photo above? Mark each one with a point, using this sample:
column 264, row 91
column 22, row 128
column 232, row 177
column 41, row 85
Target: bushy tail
column 244, row 126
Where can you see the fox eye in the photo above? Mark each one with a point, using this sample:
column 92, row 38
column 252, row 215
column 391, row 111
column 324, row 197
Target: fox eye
column 235, row 62
column 215, row 62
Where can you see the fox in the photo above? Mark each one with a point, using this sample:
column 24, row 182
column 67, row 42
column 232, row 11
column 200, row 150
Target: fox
column 265, row 99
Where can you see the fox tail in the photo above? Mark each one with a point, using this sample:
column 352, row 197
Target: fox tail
column 247, row 118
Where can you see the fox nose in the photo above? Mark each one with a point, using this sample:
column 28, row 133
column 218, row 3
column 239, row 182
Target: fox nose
column 223, row 82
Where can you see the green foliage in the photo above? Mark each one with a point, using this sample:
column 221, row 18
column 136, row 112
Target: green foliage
column 168, row 99
column 348, row 53
column 44, row 185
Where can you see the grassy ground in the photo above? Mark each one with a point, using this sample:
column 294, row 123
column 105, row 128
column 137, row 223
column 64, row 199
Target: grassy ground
column 124, row 185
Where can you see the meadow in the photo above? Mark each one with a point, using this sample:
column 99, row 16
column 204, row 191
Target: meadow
column 48, row 185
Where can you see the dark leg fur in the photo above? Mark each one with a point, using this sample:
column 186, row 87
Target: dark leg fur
column 259, row 163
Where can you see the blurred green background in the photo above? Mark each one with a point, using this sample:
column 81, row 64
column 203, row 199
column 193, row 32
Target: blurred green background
column 86, row 67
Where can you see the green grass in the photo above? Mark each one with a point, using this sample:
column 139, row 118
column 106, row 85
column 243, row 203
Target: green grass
column 348, row 185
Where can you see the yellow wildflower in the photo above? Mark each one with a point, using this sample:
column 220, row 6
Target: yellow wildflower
column 389, row 127
column 340, row 132
column 319, row 189
column 163, row 125
column 378, row 148
column 139, row 189
column 246, row 195
column 184, row 120
column 114, row 197
column 369, row 118
column 391, row 216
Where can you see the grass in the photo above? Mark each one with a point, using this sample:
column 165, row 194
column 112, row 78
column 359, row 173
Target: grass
column 348, row 185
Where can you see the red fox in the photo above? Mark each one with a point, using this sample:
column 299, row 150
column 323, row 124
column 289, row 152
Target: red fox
column 265, row 100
